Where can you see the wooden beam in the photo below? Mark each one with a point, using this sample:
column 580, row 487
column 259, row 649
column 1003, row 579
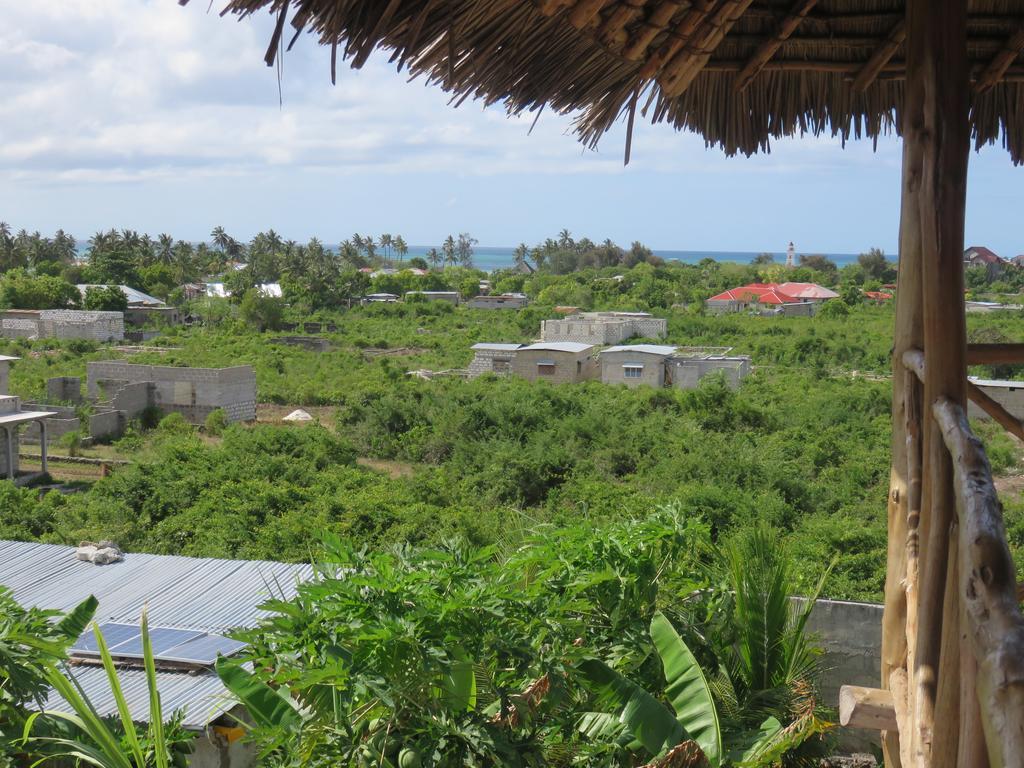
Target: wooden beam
column 680, row 72
column 995, row 409
column 994, row 354
column 1001, row 62
column 870, row 708
column 994, row 625
column 650, row 29
column 880, row 58
column 700, row 10
column 771, row 46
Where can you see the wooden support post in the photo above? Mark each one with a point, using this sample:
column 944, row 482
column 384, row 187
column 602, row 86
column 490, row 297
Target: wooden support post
column 989, row 354
column 42, row 444
column 937, row 98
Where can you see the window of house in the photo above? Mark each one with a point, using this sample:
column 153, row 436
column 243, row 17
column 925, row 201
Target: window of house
column 545, row 369
column 633, row 371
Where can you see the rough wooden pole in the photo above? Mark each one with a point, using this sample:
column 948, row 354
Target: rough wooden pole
column 937, row 72
column 908, row 334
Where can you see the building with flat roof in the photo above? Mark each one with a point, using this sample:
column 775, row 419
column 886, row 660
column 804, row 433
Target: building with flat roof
column 635, row 364
column 62, row 324
column 561, row 362
column 452, row 297
column 603, row 328
column 498, row 301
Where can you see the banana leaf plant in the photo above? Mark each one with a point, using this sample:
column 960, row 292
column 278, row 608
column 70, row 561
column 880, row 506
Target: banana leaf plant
column 690, row 726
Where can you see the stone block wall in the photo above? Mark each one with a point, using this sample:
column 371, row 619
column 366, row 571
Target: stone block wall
column 491, row 361
column 5, row 376
column 57, row 426
column 650, row 327
column 597, row 332
column 193, row 392
column 106, row 424
column 77, row 324
column 18, row 328
column 687, row 372
column 64, row 389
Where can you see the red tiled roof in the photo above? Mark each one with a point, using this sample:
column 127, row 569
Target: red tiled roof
column 983, row 254
column 877, row 295
column 774, row 293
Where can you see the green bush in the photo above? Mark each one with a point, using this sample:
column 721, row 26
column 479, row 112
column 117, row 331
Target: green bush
column 215, row 422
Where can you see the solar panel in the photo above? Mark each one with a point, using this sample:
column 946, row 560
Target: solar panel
column 203, row 650
column 165, row 638
column 113, row 634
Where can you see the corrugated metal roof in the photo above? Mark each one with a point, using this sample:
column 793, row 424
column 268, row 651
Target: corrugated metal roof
column 558, row 346
column 194, row 593
column 134, row 295
column 648, row 349
column 1000, row 383
column 497, row 347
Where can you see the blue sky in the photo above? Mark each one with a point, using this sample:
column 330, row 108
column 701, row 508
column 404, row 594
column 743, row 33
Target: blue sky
column 142, row 114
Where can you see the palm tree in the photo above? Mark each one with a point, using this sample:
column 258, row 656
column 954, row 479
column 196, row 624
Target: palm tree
column 165, row 249
column 369, row 246
column 385, row 245
column 433, row 258
column 565, row 241
column 519, row 255
column 448, row 249
column 400, row 247
column 220, row 239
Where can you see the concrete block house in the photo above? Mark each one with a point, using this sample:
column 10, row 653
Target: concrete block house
column 62, row 324
column 192, row 392
column 559, row 362
column 687, row 372
column 492, row 358
column 603, row 328
column 635, row 364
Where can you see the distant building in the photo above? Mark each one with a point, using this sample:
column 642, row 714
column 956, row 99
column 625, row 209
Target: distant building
column 192, row 392
column 12, row 418
column 635, row 364
column 603, row 328
column 791, row 255
column 142, row 308
column 771, row 296
column 498, row 301
column 452, row 297
column 687, row 372
column 379, row 298
column 980, row 256
column 877, row 296
column 1008, row 393
column 492, row 358
column 563, row 362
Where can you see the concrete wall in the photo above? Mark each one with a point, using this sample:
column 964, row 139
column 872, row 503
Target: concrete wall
column 57, row 426
column 131, row 399
column 687, row 372
column 140, row 316
column 192, row 392
column 1011, row 398
column 62, row 324
column 804, row 309
column 598, row 332
column 491, row 361
column 569, row 367
column 614, row 372
column 106, row 424
column 851, row 636
column 5, row 376
column 64, row 389
column 497, row 302
column 452, row 297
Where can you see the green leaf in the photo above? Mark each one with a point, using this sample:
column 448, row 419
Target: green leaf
column 267, row 706
column 74, row 623
column 642, row 714
column 156, row 717
column 131, row 735
column 688, row 690
column 458, row 685
column 752, row 746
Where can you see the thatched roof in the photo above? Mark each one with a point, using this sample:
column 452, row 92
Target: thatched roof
column 739, row 72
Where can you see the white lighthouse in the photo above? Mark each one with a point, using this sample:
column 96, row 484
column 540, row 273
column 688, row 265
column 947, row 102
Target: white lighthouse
column 791, row 255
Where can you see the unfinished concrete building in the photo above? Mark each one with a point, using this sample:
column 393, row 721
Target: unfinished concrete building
column 498, row 301
column 635, row 364
column 62, row 324
column 452, row 297
column 192, row 392
column 492, row 358
column 12, row 418
column 604, row 328
column 564, row 362
column 685, row 372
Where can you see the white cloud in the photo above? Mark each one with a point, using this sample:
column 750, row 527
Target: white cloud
column 120, row 90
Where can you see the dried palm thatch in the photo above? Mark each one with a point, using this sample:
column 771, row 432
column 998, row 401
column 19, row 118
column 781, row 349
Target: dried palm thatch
column 738, row 72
